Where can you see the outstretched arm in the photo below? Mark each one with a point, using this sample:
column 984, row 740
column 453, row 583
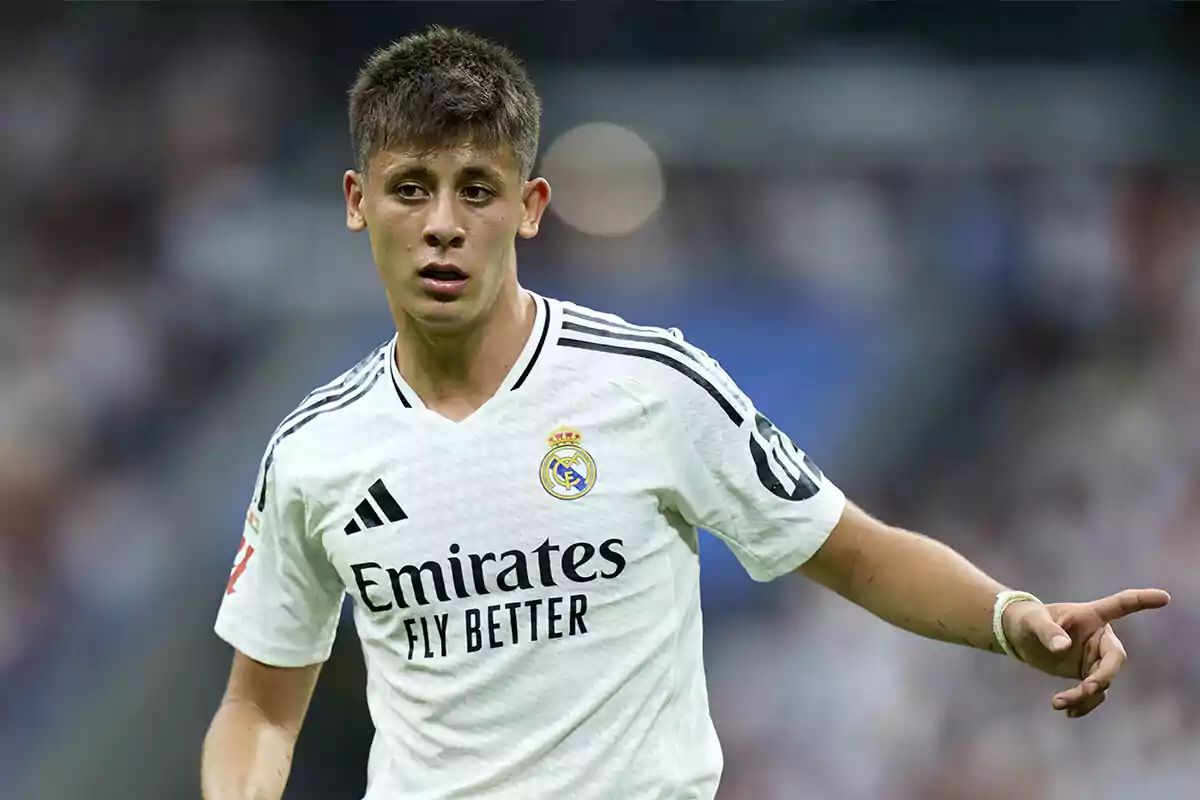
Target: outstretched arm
column 735, row 473
column 925, row 587
column 909, row 580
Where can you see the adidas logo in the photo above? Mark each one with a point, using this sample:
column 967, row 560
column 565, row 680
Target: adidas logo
column 366, row 511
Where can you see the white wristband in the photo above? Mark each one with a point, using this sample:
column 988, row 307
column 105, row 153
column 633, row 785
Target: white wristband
column 1004, row 600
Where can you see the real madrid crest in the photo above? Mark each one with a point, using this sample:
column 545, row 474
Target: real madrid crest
column 568, row 471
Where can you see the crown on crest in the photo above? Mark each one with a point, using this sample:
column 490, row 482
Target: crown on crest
column 563, row 436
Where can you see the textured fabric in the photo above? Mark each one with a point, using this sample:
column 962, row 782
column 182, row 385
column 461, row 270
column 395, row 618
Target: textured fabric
column 526, row 581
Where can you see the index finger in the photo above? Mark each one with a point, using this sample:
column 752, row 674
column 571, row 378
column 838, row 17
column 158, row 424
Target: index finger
column 1129, row 601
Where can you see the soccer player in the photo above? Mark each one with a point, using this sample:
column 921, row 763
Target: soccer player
column 510, row 490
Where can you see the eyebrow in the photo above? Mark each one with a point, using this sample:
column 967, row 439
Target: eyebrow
column 475, row 172
column 426, row 175
column 410, row 171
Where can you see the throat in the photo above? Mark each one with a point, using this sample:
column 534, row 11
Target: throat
column 455, row 376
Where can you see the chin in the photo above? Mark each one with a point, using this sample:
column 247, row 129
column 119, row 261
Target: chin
column 444, row 315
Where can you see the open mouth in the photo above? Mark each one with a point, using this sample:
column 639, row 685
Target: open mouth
column 443, row 281
column 448, row 274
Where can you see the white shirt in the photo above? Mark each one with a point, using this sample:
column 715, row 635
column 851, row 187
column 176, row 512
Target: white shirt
column 525, row 581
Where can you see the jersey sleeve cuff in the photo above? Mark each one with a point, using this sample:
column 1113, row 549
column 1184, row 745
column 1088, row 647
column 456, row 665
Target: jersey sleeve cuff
column 270, row 653
column 797, row 557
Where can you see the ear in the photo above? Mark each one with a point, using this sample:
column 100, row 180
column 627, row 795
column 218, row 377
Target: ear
column 535, row 197
column 353, row 186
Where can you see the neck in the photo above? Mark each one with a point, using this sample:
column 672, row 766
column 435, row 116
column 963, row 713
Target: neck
column 457, row 371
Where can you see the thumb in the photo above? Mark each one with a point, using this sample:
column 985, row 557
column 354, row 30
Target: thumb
column 1048, row 632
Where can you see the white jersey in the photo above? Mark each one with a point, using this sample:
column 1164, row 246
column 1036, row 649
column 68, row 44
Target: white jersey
column 526, row 581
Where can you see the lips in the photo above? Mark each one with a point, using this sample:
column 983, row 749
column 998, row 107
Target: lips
column 442, row 272
column 443, row 281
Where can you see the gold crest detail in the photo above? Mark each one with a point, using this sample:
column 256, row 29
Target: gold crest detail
column 568, row 471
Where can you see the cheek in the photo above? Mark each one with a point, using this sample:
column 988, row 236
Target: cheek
column 395, row 233
column 502, row 228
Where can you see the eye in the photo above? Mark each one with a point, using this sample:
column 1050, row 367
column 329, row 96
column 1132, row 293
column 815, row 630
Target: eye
column 477, row 194
column 410, row 191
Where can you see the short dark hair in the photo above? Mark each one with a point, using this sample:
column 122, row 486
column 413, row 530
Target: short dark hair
column 442, row 87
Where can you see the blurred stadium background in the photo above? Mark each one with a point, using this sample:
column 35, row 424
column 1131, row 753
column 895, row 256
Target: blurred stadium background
column 955, row 253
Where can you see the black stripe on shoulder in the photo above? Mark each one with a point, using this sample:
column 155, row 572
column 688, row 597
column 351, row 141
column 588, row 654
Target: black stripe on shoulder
column 669, row 337
column 589, row 316
column 541, row 343
column 355, row 394
column 284, row 428
column 664, row 338
column 633, row 335
column 350, row 376
column 734, row 415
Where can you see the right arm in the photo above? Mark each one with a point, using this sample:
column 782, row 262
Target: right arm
column 248, row 749
column 279, row 612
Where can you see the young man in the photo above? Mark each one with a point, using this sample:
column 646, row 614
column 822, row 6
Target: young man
column 510, row 488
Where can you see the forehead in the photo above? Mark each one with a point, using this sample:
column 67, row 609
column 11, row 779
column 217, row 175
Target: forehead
column 445, row 161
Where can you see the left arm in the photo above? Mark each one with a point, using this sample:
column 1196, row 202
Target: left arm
column 907, row 579
column 736, row 474
column 927, row 588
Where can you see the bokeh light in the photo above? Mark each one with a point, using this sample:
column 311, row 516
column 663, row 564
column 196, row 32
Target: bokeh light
column 605, row 179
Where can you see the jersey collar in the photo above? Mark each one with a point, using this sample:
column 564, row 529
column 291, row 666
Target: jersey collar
column 533, row 352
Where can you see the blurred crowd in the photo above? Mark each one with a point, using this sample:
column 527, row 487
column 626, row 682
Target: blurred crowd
column 121, row 314
column 1076, row 474
column 148, row 213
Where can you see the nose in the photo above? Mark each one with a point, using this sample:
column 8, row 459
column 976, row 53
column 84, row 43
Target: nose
column 442, row 226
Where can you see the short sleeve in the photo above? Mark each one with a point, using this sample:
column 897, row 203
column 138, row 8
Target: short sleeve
column 283, row 599
column 739, row 476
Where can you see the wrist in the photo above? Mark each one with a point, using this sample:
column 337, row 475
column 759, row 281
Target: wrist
column 1009, row 607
